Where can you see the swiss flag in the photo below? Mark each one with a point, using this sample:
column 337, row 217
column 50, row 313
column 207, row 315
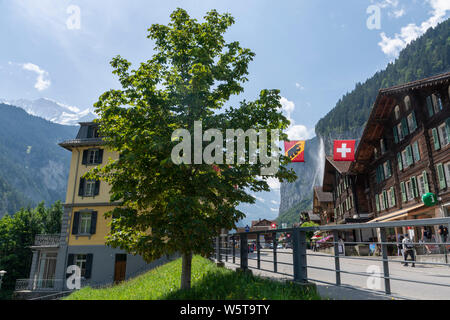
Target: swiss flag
column 344, row 150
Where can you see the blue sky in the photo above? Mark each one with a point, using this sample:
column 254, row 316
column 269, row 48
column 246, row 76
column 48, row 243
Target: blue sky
column 313, row 51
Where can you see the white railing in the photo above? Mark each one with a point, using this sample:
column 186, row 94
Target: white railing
column 47, row 240
column 38, row 284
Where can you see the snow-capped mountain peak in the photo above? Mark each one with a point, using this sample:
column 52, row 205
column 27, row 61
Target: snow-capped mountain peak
column 53, row 111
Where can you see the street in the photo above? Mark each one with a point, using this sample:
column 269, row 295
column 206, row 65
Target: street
column 399, row 289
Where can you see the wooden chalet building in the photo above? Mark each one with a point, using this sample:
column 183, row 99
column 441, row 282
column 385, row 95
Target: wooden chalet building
column 405, row 151
column 347, row 189
column 323, row 205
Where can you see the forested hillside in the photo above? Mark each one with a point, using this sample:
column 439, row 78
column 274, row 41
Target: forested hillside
column 33, row 168
column 426, row 56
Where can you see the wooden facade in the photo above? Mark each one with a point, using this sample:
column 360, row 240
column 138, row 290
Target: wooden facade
column 405, row 151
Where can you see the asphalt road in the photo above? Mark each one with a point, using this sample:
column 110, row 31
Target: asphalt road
column 369, row 285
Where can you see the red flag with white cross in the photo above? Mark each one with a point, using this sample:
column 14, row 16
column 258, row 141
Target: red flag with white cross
column 344, row 150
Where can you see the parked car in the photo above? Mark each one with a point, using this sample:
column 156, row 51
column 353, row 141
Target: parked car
column 279, row 246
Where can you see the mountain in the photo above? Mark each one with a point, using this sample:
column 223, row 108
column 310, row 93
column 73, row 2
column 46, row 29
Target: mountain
column 424, row 57
column 33, row 167
column 53, row 111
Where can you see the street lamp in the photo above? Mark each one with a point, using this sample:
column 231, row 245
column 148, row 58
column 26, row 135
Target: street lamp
column 2, row 273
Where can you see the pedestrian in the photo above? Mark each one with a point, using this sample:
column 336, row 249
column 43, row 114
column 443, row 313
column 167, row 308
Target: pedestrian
column 443, row 232
column 400, row 245
column 408, row 250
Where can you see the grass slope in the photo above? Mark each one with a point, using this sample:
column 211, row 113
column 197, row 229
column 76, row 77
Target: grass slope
column 208, row 283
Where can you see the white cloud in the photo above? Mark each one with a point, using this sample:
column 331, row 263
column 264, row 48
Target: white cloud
column 274, row 202
column 273, row 210
column 273, row 183
column 299, row 86
column 392, row 46
column 41, row 82
column 295, row 131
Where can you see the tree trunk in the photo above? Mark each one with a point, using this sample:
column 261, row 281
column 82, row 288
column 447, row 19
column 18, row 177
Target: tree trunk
column 186, row 267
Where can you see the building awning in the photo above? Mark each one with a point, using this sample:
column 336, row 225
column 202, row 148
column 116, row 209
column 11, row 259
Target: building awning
column 397, row 214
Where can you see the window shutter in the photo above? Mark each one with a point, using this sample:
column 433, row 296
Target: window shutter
column 447, row 128
column 441, row 176
column 402, row 186
column 89, row 258
column 405, row 127
column 416, row 151
column 389, row 169
column 400, row 161
column 70, row 259
column 414, row 121
column 385, row 199
column 437, row 144
column 430, row 106
column 414, row 186
column 76, row 221
column 70, row 262
column 409, row 159
column 85, row 156
column 81, row 187
column 93, row 222
column 377, row 202
column 393, row 196
column 100, row 156
column 425, row 182
column 97, row 188
column 395, row 134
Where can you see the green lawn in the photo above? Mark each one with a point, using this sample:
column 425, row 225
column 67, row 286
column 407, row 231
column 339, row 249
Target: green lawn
column 208, row 283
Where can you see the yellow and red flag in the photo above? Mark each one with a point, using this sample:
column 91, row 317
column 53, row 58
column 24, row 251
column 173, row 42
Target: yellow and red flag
column 295, row 150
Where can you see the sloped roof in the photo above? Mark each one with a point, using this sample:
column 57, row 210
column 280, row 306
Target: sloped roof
column 341, row 166
column 323, row 196
column 381, row 111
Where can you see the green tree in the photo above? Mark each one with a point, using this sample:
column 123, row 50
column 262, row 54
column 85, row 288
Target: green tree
column 17, row 233
column 168, row 208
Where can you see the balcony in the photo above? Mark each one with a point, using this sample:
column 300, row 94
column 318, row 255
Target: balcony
column 46, row 240
column 38, row 284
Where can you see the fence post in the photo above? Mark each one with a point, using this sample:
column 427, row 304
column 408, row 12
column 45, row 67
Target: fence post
column 275, row 243
column 218, row 247
column 226, row 248
column 258, row 251
column 387, row 281
column 234, row 249
column 244, row 251
column 299, row 255
column 336, row 257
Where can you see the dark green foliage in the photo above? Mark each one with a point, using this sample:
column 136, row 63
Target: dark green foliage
column 33, row 167
column 17, row 233
column 426, row 56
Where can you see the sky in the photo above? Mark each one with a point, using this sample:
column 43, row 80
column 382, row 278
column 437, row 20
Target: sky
column 314, row 51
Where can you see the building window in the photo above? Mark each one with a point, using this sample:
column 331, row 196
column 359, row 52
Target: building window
column 397, row 112
column 85, row 223
column 404, row 159
column 92, row 156
column 409, row 190
column 382, row 146
column 407, row 101
column 382, row 201
column 400, row 131
column 416, row 152
column 80, row 262
column 434, row 104
column 421, row 185
column 389, row 196
column 89, row 188
column 443, row 135
column 387, row 169
column 412, row 123
column 441, row 176
column 447, row 173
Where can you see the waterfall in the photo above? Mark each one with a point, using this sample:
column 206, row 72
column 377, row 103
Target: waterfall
column 319, row 164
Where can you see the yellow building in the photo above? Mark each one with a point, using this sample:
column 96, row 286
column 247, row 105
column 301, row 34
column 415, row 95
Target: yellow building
column 84, row 226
